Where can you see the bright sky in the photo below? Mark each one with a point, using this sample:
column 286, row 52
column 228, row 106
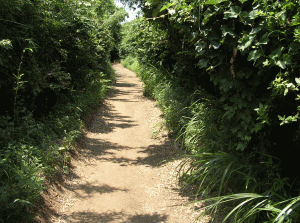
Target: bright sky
column 132, row 14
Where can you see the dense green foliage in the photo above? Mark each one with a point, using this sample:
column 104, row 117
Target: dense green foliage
column 55, row 67
column 241, row 125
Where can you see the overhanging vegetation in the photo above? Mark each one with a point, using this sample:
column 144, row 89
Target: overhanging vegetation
column 55, row 68
column 226, row 77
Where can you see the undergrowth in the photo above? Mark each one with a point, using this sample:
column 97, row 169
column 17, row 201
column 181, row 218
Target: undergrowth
column 170, row 97
column 54, row 69
column 33, row 150
column 248, row 183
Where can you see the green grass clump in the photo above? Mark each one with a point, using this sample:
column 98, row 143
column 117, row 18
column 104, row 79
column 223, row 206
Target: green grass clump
column 248, row 184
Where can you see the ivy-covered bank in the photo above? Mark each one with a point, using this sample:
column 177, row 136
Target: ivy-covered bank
column 226, row 74
column 55, row 68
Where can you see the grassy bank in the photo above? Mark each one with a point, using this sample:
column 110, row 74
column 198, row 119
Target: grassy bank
column 35, row 149
column 248, row 182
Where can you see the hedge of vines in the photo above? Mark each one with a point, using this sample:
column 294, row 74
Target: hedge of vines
column 243, row 56
column 54, row 67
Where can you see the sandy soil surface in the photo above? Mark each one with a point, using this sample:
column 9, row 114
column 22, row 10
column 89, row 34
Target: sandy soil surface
column 119, row 174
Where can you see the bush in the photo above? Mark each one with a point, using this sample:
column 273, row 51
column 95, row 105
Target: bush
column 55, row 68
column 243, row 58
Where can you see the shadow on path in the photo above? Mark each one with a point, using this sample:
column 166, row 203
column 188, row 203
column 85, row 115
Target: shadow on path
column 156, row 155
column 108, row 119
column 116, row 216
column 104, row 121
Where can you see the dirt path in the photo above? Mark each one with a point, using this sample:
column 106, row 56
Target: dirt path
column 120, row 177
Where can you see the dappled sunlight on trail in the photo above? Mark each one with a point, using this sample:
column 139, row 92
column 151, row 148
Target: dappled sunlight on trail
column 125, row 174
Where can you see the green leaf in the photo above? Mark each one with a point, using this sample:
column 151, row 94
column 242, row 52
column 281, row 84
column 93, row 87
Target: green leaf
column 226, row 30
column 294, row 46
column 253, row 14
column 254, row 55
column 215, row 45
column 207, row 14
column 297, row 34
column 255, row 30
column 245, row 16
column 6, row 44
column 296, row 20
column 288, row 208
column 266, row 63
column 211, row 2
column 241, row 146
column 200, row 45
column 276, row 53
column 213, row 67
column 281, row 64
column 24, row 202
column 257, row 127
column 233, row 13
column 205, row 31
column 248, row 138
column 287, row 58
column 297, row 80
column 286, row 91
column 263, row 40
column 167, row 6
column 281, row 15
column 203, row 63
column 245, row 42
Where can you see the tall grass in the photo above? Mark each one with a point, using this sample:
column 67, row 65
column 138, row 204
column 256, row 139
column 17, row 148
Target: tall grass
column 246, row 181
column 252, row 208
column 200, row 129
column 171, row 98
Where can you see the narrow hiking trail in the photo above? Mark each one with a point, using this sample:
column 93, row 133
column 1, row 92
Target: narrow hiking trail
column 120, row 176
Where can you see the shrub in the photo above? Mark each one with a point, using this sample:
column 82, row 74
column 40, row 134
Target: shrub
column 244, row 56
column 55, row 67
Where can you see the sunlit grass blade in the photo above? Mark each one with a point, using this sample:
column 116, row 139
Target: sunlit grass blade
column 288, row 209
column 252, row 211
column 241, row 211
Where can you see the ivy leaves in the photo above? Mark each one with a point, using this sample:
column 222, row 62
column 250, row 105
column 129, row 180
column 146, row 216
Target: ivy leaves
column 242, row 45
column 227, row 30
column 254, row 55
column 261, row 40
column 245, row 42
column 234, row 12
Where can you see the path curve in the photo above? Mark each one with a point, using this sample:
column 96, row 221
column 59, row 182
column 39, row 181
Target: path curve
column 120, row 177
